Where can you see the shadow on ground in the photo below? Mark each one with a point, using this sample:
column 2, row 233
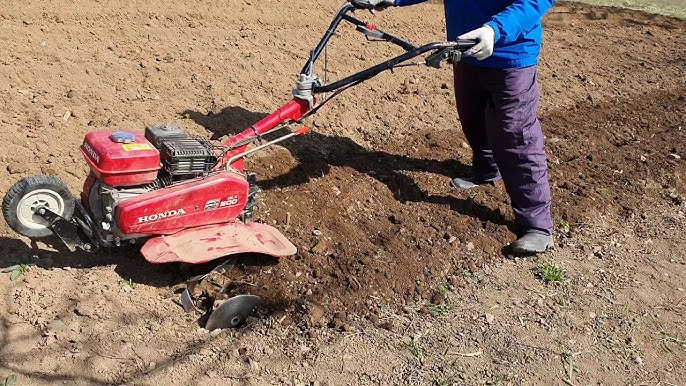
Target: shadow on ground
column 317, row 153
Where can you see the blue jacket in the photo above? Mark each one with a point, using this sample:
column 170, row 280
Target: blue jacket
column 517, row 26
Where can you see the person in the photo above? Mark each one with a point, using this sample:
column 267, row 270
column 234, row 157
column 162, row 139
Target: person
column 496, row 89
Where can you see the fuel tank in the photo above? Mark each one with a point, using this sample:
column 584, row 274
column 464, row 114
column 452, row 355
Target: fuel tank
column 121, row 158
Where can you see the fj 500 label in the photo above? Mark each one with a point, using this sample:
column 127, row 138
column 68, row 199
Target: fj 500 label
column 219, row 203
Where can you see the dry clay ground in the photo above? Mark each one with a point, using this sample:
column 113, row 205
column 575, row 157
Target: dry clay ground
column 398, row 280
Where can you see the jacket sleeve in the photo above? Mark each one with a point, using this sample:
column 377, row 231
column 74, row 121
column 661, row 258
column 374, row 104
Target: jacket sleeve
column 518, row 19
column 402, row 3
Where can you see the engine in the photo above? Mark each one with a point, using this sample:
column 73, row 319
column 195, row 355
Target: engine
column 125, row 165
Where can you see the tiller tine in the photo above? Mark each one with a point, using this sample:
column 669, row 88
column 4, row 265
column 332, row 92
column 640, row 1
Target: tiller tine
column 233, row 312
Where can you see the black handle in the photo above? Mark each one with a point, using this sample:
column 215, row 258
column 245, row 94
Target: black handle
column 465, row 44
column 372, row 31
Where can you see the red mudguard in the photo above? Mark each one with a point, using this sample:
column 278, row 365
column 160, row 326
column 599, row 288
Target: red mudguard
column 202, row 244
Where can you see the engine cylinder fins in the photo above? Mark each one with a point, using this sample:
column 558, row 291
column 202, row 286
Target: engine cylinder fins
column 187, row 156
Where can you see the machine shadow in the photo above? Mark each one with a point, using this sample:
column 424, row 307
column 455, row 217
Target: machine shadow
column 128, row 262
column 317, row 153
column 231, row 120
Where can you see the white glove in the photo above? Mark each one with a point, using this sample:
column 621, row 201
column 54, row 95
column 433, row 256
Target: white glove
column 485, row 37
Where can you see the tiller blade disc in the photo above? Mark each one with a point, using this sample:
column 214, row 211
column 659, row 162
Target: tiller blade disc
column 233, row 312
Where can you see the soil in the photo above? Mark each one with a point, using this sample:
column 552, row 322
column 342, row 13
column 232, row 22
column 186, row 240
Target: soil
column 398, row 279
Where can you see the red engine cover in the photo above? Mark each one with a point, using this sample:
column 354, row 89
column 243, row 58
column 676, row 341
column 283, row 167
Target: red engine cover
column 201, row 201
column 121, row 164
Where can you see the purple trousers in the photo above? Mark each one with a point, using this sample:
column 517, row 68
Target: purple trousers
column 498, row 113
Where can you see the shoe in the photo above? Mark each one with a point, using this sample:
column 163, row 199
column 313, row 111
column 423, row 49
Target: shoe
column 532, row 243
column 472, row 182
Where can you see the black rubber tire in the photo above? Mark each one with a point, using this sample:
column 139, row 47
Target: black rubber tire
column 24, row 187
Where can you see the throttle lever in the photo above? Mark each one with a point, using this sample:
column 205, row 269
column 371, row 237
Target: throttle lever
column 450, row 55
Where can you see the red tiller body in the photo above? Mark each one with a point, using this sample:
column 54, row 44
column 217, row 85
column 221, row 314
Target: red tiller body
column 212, row 200
column 291, row 111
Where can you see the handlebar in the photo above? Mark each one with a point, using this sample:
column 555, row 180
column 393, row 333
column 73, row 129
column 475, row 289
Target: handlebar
column 369, row 73
column 445, row 51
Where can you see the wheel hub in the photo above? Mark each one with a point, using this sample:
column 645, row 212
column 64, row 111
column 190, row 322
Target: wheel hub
column 27, row 211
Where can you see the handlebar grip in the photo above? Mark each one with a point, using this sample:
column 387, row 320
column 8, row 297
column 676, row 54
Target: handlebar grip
column 465, row 44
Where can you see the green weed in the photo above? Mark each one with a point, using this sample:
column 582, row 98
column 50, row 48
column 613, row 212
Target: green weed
column 552, row 273
column 127, row 285
column 471, row 276
column 443, row 290
column 668, row 339
column 11, row 380
column 439, row 310
column 416, row 349
column 16, row 272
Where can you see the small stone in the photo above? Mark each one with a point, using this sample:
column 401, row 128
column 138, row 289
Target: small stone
column 675, row 156
column 16, row 167
column 215, row 333
column 374, row 319
column 340, row 315
column 490, row 318
column 152, row 366
column 55, row 327
column 470, row 246
column 317, row 315
column 592, row 315
column 316, row 232
column 638, row 360
column 437, row 299
column 254, row 365
column 452, row 239
column 320, row 248
column 389, row 326
column 598, row 251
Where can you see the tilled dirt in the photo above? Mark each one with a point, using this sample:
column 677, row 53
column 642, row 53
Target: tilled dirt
column 364, row 197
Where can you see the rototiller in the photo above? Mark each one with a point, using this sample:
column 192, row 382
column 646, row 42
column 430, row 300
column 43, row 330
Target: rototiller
column 185, row 199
